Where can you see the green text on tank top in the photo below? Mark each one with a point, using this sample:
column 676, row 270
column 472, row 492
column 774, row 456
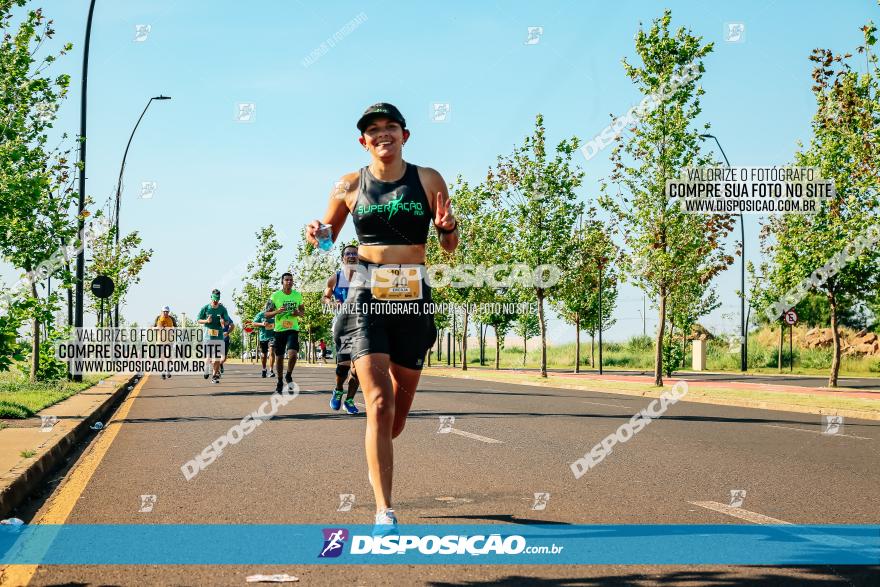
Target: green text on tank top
column 286, row 320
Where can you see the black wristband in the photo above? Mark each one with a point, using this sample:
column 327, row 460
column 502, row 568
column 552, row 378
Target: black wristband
column 450, row 231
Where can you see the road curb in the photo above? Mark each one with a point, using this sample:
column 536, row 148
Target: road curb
column 18, row 484
column 692, row 396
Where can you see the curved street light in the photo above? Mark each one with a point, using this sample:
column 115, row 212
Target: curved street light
column 119, row 183
column 743, row 340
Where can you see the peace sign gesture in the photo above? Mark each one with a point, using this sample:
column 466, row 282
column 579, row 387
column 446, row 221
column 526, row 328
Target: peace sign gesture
column 443, row 218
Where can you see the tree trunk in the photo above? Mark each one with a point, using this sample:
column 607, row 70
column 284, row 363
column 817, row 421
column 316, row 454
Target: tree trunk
column 540, row 293
column 684, row 347
column 577, row 344
column 781, row 342
column 835, row 359
column 525, row 342
column 497, row 350
column 35, row 358
column 658, row 348
column 464, row 332
column 592, row 350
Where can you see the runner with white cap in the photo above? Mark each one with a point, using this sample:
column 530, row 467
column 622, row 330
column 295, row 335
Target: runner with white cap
column 165, row 320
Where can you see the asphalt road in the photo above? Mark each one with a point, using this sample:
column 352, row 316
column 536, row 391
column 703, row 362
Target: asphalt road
column 292, row 469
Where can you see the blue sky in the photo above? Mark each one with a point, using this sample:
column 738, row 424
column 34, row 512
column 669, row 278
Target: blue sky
column 219, row 180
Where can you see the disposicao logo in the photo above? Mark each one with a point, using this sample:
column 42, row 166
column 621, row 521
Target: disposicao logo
column 334, row 540
column 473, row 545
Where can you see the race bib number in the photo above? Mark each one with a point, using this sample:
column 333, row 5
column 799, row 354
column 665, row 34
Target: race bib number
column 287, row 324
column 396, row 283
column 213, row 332
column 270, row 326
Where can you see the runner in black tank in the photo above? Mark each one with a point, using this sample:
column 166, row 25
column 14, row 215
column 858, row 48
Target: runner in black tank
column 393, row 204
column 335, row 294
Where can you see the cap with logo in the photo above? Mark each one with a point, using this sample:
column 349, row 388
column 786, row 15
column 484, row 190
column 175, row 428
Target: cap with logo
column 381, row 109
column 215, row 295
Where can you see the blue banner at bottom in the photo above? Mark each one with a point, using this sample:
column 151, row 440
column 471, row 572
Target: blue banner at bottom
column 557, row 544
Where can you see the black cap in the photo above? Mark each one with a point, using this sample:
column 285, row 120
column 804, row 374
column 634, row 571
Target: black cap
column 380, row 109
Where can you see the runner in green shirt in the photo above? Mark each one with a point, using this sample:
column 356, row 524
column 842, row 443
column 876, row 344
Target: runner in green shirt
column 266, row 335
column 286, row 307
column 214, row 316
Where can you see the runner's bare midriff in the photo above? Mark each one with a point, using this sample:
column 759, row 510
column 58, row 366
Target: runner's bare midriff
column 393, row 254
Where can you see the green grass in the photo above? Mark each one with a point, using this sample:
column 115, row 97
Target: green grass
column 26, row 454
column 19, row 398
column 638, row 354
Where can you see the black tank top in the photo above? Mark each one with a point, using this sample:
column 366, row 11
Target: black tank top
column 391, row 212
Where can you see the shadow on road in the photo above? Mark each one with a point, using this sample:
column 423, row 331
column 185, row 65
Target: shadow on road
column 855, row 576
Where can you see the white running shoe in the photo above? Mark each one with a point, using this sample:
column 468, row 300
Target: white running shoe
column 386, row 523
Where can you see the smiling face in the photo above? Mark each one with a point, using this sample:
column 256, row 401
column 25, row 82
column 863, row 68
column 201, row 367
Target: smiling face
column 383, row 138
column 350, row 255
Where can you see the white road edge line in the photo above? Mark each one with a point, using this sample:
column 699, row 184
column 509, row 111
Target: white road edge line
column 761, row 519
column 599, row 404
column 816, row 431
column 740, row 513
column 459, row 432
column 474, row 436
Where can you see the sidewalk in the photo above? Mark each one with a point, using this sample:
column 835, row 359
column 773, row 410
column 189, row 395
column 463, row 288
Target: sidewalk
column 830, row 392
column 810, row 400
column 20, row 474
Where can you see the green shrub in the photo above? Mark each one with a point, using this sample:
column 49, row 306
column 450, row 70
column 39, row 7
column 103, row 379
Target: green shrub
column 51, row 369
column 673, row 356
column 640, row 343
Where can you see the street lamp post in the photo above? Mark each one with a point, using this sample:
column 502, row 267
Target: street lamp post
column 601, row 264
column 743, row 340
column 119, row 183
column 81, row 202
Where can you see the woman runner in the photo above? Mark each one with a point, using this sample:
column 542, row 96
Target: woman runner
column 392, row 204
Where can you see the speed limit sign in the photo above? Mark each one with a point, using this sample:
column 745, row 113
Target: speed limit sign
column 790, row 317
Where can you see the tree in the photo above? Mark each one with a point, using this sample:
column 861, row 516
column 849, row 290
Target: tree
column 311, row 268
column 262, row 277
column 577, row 298
column 35, row 196
column 535, row 190
column 673, row 245
column 845, row 147
column 526, row 326
column 459, row 275
column 501, row 320
column 121, row 262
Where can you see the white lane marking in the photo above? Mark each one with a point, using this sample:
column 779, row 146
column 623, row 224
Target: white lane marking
column 599, row 404
column 818, row 537
column 475, row 436
column 740, row 513
column 816, row 431
column 459, row 432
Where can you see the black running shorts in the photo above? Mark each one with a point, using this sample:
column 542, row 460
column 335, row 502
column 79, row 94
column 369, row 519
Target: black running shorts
column 404, row 330
column 287, row 340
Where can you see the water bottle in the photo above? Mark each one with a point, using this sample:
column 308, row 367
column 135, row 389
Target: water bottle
column 324, row 236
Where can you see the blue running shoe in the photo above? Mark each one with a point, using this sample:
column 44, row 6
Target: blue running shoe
column 336, row 400
column 386, row 524
column 350, row 407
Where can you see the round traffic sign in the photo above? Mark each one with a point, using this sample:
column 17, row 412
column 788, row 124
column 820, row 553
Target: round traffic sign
column 102, row 286
column 790, row 317
column 248, row 328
